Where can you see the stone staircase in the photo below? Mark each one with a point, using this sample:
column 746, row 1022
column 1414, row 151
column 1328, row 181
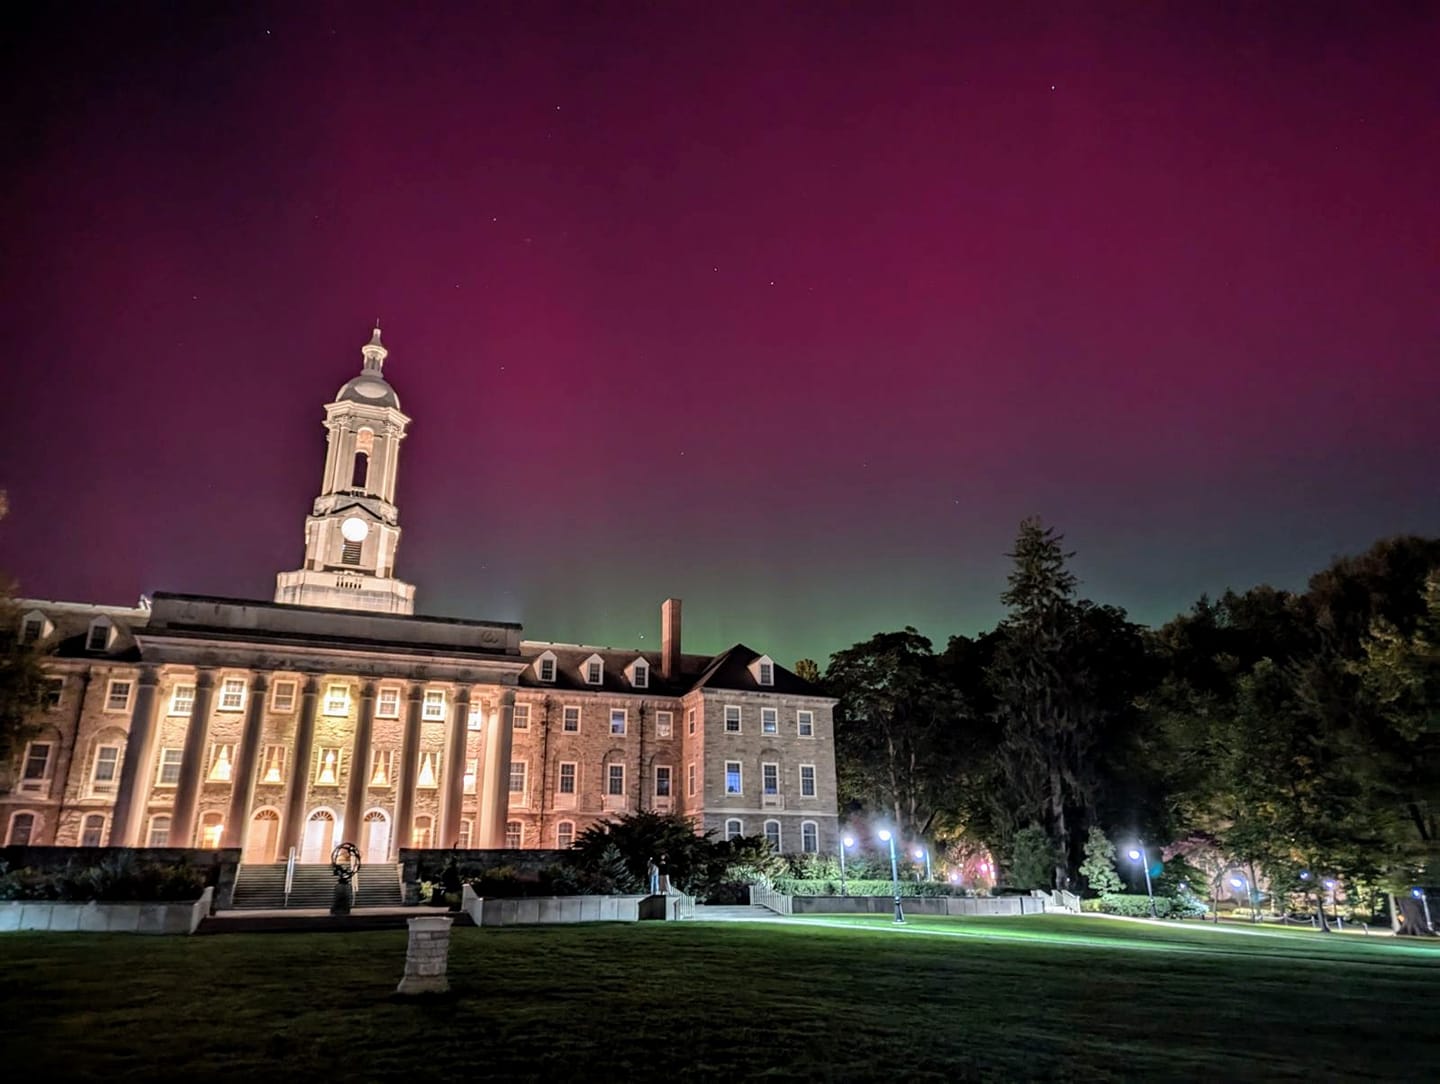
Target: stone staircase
column 262, row 887
column 738, row 913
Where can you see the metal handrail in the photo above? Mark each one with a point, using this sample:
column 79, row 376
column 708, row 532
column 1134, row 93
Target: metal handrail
column 289, row 875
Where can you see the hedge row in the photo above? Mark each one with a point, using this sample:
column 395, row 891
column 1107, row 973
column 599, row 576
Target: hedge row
column 1133, row 906
column 121, row 879
column 794, row 886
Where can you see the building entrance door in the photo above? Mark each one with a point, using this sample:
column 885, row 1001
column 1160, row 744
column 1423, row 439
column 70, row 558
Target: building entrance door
column 319, row 837
column 375, row 843
column 262, row 837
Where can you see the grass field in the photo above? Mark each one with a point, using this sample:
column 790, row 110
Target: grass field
column 813, row 998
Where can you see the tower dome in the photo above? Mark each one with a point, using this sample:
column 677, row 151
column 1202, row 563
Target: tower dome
column 370, row 386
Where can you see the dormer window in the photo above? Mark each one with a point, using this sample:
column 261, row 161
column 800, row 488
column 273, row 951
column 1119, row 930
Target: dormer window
column 545, row 666
column 594, row 670
column 639, row 674
column 99, row 636
column 34, row 627
column 763, row 670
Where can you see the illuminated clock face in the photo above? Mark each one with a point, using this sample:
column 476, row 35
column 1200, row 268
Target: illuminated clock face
column 355, row 529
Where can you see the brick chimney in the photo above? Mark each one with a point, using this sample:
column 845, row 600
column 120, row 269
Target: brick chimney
column 670, row 638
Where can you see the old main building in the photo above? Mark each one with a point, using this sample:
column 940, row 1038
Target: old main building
column 335, row 713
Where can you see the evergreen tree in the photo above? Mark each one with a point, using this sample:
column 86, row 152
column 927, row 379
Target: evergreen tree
column 1098, row 869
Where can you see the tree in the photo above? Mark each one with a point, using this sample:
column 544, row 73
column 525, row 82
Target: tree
column 808, row 670
column 668, row 839
column 22, row 680
column 1098, row 869
column 1032, row 858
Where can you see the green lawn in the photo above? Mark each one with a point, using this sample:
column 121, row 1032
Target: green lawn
column 817, row 998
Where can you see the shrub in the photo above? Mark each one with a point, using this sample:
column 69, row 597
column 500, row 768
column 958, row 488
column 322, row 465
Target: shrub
column 1091, row 907
column 118, row 879
column 1136, row 906
column 792, row 886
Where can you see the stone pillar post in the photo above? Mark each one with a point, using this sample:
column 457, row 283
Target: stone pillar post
column 360, row 768
column 247, row 763
column 133, row 794
column 455, row 758
column 495, row 802
column 409, row 768
column 192, row 762
column 300, row 769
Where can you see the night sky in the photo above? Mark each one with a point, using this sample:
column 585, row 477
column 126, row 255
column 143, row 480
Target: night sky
column 790, row 310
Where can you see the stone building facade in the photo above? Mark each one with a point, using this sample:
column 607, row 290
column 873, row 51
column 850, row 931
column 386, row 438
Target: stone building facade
column 335, row 713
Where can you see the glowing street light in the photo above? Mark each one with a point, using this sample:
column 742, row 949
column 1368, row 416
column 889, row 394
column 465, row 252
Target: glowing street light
column 924, row 852
column 1419, row 894
column 845, row 841
column 1331, row 884
column 886, row 836
column 1137, row 854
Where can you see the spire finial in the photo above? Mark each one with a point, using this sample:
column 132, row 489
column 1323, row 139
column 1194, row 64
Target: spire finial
column 374, row 351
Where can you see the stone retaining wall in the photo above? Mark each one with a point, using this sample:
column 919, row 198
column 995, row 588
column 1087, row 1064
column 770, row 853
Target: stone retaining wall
column 220, row 864
column 912, row 905
column 549, row 910
column 92, row 917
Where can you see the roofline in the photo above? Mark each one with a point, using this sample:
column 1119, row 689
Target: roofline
column 289, row 606
column 56, row 604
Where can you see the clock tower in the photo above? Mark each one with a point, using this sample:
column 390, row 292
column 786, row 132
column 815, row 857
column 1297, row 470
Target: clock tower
column 353, row 531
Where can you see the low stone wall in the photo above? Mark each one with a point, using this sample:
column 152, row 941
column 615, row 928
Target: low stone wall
column 667, row 908
column 95, row 917
column 912, row 905
column 220, row 864
column 552, row 910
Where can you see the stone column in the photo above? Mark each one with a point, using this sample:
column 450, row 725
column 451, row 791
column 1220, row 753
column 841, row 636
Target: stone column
column 409, row 768
column 300, row 769
column 247, row 763
column 133, row 794
column 455, row 758
column 495, row 801
column 192, row 762
column 360, row 768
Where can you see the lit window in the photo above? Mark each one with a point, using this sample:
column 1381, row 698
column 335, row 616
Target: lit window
column 594, row 672
column 690, row 781
column 274, row 771
column 734, row 777
column 734, row 828
column 387, row 704
column 429, row 772
column 642, row 676
column 564, row 834
column 767, row 673
column 522, row 717
column 617, row 722
column 772, row 834
column 547, row 668
column 566, row 785
column 769, row 720
column 805, row 723
column 434, row 704
column 770, row 778
column 337, row 700
column 106, row 772
column 571, row 724
column 807, row 780
column 232, row 694
column 615, row 780
column 690, row 720
column 117, row 696
column 809, row 837
column 664, row 721
column 182, row 699
column 37, row 762
column 423, row 831
column 159, row 835
column 732, row 719
column 211, row 829
column 327, row 767
column 99, row 638
column 662, row 780
column 472, row 768
column 169, row 773
column 518, row 770
column 514, row 835
column 282, row 696
column 380, row 767
column 220, row 763
column 92, row 832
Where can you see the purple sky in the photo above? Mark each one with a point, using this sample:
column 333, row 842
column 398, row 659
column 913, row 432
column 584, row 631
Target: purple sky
column 790, row 310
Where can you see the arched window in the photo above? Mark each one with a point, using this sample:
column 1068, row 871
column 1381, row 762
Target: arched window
column 734, row 828
column 159, row 834
column 364, row 446
column 92, row 831
column 424, row 833
column 564, row 834
column 810, row 837
column 22, row 829
column 772, row 834
column 514, row 834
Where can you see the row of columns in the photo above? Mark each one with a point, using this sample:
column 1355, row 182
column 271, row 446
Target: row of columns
column 133, row 793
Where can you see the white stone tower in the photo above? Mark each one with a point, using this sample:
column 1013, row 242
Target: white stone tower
column 353, row 531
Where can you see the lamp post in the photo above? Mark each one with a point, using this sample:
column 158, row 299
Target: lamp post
column 1137, row 854
column 1239, row 881
column 1330, row 885
column 886, row 836
column 924, row 852
column 845, row 841
column 1419, row 894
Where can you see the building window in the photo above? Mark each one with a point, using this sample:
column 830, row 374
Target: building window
column 809, row 837
column 282, row 696
column 92, row 831
column 514, row 835
column 327, row 767
column 274, row 769
column 472, row 769
column 571, row 723
column 232, row 694
column 106, row 771
column 664, row 722
column 615, row 780
column 770, row 778
column 690, row 720
column 31, row 629
column 423, row 832
column 769, row 721
column 547, row 668
column 807, row 780
column 434, row 704
column 662, row 780
column 99, row 638
column 429, row 774
column 222, row 759
column 617, row 722
column 169, row 772
column 465, row 833
column 518, row 771
column 54, row 689
column 732, row 719
column 767, row 673
column 734, row 828
column 734, row 778
column 690, row 780
column 564, row 834
column 594, row 672
column 521, row 718
column 337, row 700
column 387, row 703
column 476, row 719
column 117, row 696
column 350, row 552
column 159, row 834
column 380, row 767
column 772, row 834
column 212, row 827
column 805, row 723
column 642, row 676
column 182, row 699
column 37, row 765
column 566, row 784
